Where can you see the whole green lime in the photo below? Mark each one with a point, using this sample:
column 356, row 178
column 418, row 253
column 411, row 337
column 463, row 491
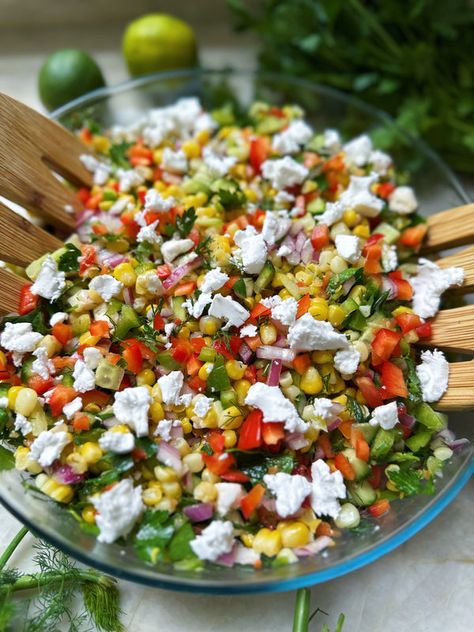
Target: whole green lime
column 67, row 74
column 158, row 42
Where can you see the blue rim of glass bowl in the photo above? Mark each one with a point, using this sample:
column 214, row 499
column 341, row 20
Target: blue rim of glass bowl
column 342, row 568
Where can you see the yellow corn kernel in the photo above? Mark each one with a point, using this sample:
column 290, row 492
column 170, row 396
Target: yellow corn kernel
column 284, row 294
column 351, row 218
column 311, row 435
column 186, row 425
column 209, row 421
column 230, row 438
column 311, row 382
column 251, row 195
column 25, row 401
column 12, row 395
column 337, row 264
column 77, row 462
column 105, row 205
column 182, row 446
column 247, row 539
column 242, row 388
column 88, row 514
column 23, row 461
column 209, row 325
column 167, row 504
column 146, row 376
column 402, row 310
column 205, row 492
column 362, row 231
column 267, row 542
column 294, row 534
column 309, row 518
column 165, row 474
column 319, row 308
column 145, row 282
column 321, row 357
column 91, row 451
column 235, row 369
column 125, row 273
column 363, row 349
column 204, row 371
column 172, row 490
column 249, row 302
column 51, row 344
column 336, row 315
column 203, row 136
column 101, row 144
column 231, row 418
column 268, row 333
column 3, row 358
column 152, row 494
column 209, row 477
column 88, row 340
column 194, row 462
column 156, row 393
column 57, row 491
column 191, row 149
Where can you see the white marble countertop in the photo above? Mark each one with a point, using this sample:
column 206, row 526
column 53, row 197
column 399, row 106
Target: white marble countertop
column 425, row 585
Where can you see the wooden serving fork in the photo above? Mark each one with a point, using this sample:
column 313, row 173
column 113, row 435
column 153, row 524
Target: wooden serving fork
column 26, row 179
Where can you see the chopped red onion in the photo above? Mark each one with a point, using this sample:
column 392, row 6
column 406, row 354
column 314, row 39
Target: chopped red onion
column 314, row 547
column 408, row 421
column 269, row 504
column 296, row 440
column 458, row 444
column 347, row 286
column 115, row 260
column 281, row 341
column 388, row 284
column 245, row 352
column 176, row 431
column 299, row 243
column 84, row 216
column 128, row 295
column 307, row 252
column 169, row 455
column 318, row 454
column 180, row 272
column 334, row 423
column 296, row 227
column 267, row 352
column 274, row 372
column 316, row 255
column 199, row 512
column 228, row 559
column 446, row 435
column 65, row 475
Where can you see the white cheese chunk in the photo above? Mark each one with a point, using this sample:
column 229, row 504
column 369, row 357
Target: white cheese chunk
column 283, row 310
column 275, row 406
column 70, row 409
column 19, row 337
column 202, row 405
column 117, row 442
column 359, row 197
column 389, row 258
column 290, row 491
column 92, row 357
column 433, row 373
column 213, row 280
column 42, row 366
column 58, row 317
column 275, row 226
column 430, row 283
column 214, row 541
column 47, row 447
column 131, row 407
column 163, row 429
column 346, row 361
column 248, row 330
column 228, row 497
column 171, row 386
column 284, row 172
column 22, row 425
column 148, row 233
column 196, row 308
column 331, row 140
column 358, row 151
column 174, row 161
column 325, row 408
column 380, row 162
column 403, row 201
column 218, row 166
column 106, row 286
column 118, row 510
column 100, row 170
column 252, row 252
column 154, row 201
column 327, row 487
column 385, row 416
column 309, row 334
column 84, row 378
column 226, row 308
column 50, row 281
column 333, row 213
column 348, row 247
column 175, row 247
column 130, row 179
column 291, row 139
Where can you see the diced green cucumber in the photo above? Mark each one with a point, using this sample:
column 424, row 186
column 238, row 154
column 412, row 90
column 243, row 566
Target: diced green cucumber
column 228, row 398
column 357, row 321
column 361, row 468
column 270, row 125
column 177, row 307
column 419, row 440
column 391, row 234
column 38, row 420
column 265, row 277
column 349, row 306
column 372, row 324
column 207, row 354
column 26, row 370
column 80, row 323
column 167, row 361
column 367, row 430
column 4, row 388
column 243, row 287
column 113, row 307
column 316, row 206
column 429, row 418
column 218, row 380
column 201, row 181
column 128, row 319
column 144, row 266
column 382, row 444
column 34, row 268
column 361, row 494
column 109, row 375
column 67, row 380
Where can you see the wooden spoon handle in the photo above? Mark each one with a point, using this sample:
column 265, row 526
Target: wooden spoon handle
column 453, row 330
column 460, row 393
column 21, row 242
column 454, row 227
column 10, row 286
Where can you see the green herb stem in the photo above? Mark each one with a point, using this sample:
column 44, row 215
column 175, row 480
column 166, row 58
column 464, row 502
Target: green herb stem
column 38, row 580
column 8, row 552
column 301, row 616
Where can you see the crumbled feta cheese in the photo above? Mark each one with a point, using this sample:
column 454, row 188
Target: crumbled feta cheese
column 348, row 247
column 327, row 487
column 252, row 250
column 331, row 140
column 428, row 285
column 346, row 361
column 106, row 286
column 43, row 366
column 100, row 170
column 154, row 201
column 204, row 123
column 175, row 247
column 119, row 206
column 151, row 283
column 47, row 447
column 284, row 251
column 228, row 497
column 92, row 357
column 214, row 541
column 117, row 442
column 202, row 405
column 174, row 161
column 226, row 308
column 389, row 258
column 290, row 140
column 214, row 280
column 275, row 226
column 290, row 491
column 403, row 201
column 380, row 162
column 325, row 408
column 333, row 213
column 283, row 197
column 70, row 409
column 50, row 281
column 118, row 509
column 19, row 337
column 275, row 406
column 131, row 407
column 359, row 197
column 218, row 166
column 84, row 378
column 284, row 311
column 433, row 373
column 163, row 429
column 130, row 179
column 309, row 334
column 358, row 151
column 385, row 416
column 196, row 308
column 148, row 233
column 246, row 556
column 284, row 172
column 171, row 386
column 248, row 330
column 58, row 317
column 22, row 425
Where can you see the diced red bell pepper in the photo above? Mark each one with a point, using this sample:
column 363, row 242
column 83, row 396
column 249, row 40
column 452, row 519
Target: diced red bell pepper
column 185, row 289
column 101, row 398
column 424, row 330
column 28, row 300
column 325, row 444
column 379, row 508
column 272, row 432
column 385, row 189
column 372, row 259
column 197, row 344
column 100, row 328
column 251, row 374
column 158, row 322
column 403, row 287
column 259, row 311
column 215, row 439
column 235, row 476
column 302, row 362
column 147, row 353
column 61, row 396
column 254, row 342
column 393, row 382
column 320, row 236
column 80, row 422
column 133, row 358
column 303, row 305
column 407, row 322
column 250, row 436
column 384, row 345
column 87, row 258
column 373, row 239
column 252, row 500
column 413, row 236
column 39, row 384
column 371, row 393
column 163, row 271
column 62, row 332
column 221, row 348
column 182, row 350
column 342, row 464
column 196, row 384
column 193, row 365
column 375, row 476
column 259, row 152
column 219, row 463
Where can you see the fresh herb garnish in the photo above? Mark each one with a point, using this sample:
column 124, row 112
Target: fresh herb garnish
column 69, row 261
column 355, row 410
column 335, row 283
column 7, row 460
column 185, row 222
column 118, row 154
column 415, row 393
column 410, row 481
column 231, row 199
column 36, row 318
column 155, row 532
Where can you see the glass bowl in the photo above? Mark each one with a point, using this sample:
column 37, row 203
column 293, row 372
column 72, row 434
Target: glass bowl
column 437, row 188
